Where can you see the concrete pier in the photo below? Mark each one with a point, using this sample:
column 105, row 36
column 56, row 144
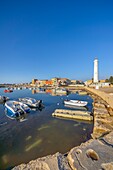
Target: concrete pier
column 73, row 114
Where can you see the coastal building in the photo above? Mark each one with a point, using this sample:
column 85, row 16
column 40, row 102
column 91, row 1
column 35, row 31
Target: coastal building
column 42, row 82
column 95, row 80
column 102, row 81
column 64, row 81
column 34, row 81
column 48, row 82
column 88, row 82
column 73, row 82
column 60, row 81
column 55, row 81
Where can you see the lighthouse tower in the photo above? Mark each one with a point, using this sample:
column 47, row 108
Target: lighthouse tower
column 95, row 80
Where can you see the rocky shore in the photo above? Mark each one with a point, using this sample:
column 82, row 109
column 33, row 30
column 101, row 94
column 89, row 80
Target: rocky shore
column 95, row 154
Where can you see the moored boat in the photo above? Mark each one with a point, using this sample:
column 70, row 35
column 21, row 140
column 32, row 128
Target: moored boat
column 31, row 102
column 16, row 109
column 3, row 99
column 8, row 90
column 75, row 102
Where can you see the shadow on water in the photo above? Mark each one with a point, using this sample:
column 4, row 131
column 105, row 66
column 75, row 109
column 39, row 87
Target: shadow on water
column 85, row 108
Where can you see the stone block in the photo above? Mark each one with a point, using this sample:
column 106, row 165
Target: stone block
column 99, row 131
column 99, row 105
column 80, row 160
column 108, row 139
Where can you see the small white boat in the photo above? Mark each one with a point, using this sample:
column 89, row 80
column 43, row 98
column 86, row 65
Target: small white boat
column 15, row 109
column 75, row 102
column 3, row 99
column 31, row 102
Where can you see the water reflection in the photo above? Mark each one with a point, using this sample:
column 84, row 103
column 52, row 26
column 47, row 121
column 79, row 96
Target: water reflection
column 76, row 107
column 33, row 145
column 28, row 138
column 43, row 127
column 53, row 92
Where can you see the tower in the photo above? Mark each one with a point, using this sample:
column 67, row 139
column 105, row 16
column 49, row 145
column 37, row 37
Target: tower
column 95, row 71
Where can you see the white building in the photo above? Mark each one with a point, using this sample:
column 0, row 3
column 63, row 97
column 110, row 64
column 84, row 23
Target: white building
column 95, row 80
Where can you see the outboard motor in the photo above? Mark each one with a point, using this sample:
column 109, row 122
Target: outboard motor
column 4, row 98
column 40, row 103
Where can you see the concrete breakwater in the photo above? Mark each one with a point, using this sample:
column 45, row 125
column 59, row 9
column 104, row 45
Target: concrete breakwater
column 102, row 113
column 73, row 114
column 104, row 96
column 95, row 154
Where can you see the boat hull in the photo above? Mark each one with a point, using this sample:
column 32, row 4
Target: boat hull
column 10, row 114
column 15, row 109
column 75, row 103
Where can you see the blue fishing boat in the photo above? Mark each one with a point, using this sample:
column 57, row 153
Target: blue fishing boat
column 15, row 109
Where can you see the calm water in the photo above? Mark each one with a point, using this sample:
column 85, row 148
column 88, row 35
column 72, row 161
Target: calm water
column 40, row 134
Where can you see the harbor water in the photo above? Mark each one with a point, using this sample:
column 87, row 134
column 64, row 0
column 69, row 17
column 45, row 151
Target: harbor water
column 39, row 134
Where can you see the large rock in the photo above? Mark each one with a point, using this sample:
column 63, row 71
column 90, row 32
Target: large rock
column 100, row 111
column 110, row 111
column 99, row 105
column 79, row 160
column 51, row 162
column 108, row 139
column 99, row 131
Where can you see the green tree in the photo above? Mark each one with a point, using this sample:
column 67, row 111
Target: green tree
column 111, row 79
column 107, row 80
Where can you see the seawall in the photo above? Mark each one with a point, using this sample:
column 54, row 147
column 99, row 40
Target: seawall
column 105, row 96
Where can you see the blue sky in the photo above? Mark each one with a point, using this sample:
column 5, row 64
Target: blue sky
column 55, row 38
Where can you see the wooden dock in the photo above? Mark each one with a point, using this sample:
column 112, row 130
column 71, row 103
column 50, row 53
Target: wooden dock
column 73, row 114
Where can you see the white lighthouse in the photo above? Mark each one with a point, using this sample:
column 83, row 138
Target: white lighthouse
column 95, row 71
